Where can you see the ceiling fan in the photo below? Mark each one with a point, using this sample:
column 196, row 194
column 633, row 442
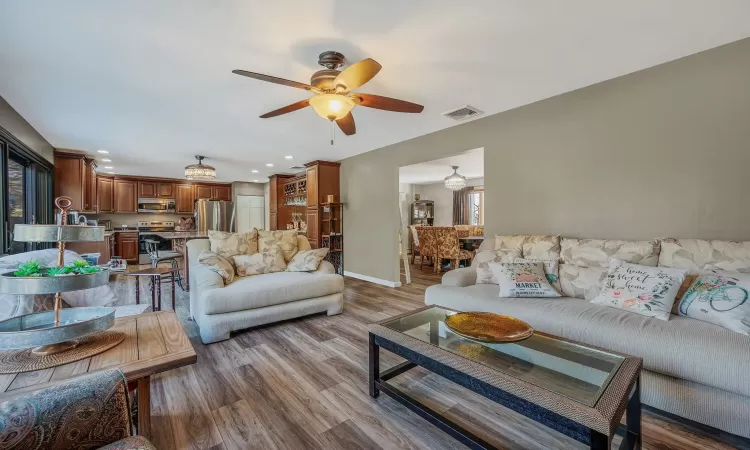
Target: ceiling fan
column 333, row 99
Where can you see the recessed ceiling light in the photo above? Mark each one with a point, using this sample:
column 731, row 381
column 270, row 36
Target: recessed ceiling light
column 108, row 167
column 254, row 171
column 110, row 172
column 102, row 151
column 269, row 165
column 255, row 181
column 289, row 157
column 106, row 160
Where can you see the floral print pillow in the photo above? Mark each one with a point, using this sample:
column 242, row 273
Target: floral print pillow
column 230, row 244
column 483, row 259
column 271, row 261
column 286, row 240
column 645, row 290
column 522, row 279
column 721, row 298
column 307, row 260
column 550, row 267
column 219, row 264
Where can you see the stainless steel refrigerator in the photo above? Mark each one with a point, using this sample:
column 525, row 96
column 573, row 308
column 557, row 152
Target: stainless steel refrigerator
column 214, row 215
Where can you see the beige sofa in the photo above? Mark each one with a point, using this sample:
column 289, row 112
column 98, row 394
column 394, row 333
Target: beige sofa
column 693, row 369
column 259, row 299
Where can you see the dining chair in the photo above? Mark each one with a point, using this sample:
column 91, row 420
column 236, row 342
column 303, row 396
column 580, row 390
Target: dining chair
column 448, row 247
column 414, row 243
column 156, row 256
column 426, row 244
column 463, row 230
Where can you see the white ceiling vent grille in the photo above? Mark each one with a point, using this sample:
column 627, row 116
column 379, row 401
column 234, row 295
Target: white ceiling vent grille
column 297, row 167
column 463, row 113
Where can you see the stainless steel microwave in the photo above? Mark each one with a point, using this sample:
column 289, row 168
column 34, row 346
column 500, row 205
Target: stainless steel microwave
column 156, row 205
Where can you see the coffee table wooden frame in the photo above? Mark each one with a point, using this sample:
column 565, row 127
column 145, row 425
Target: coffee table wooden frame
column 594, row 426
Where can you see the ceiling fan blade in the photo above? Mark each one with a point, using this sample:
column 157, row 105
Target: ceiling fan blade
column 270, row 79
column 356, row 75
column 346, row 124
column 386, row 103
column 286, row 109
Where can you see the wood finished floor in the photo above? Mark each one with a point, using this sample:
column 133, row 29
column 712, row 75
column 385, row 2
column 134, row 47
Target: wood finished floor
column 302, row 384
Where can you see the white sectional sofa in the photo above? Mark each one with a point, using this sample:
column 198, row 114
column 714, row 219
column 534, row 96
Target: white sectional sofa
column 259, row 299
column 693, row 369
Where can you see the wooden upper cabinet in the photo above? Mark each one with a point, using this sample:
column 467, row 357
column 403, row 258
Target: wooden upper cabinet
column 312, row 187
column 165, row 190
column 203, row 191
column 147, row 189
column 89, row 185
column 126, row 199
column 105, row 195
column 222, row 193
column 184, row 198
column 70, row 177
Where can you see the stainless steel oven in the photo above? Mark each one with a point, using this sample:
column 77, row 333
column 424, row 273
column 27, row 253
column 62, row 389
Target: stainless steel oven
column 156, row 205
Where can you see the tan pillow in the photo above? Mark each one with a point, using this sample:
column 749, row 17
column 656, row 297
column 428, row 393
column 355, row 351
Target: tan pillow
column 218, row 264
column 230, row 244
column 307, row 260
column 259, row 263
column 284, row 239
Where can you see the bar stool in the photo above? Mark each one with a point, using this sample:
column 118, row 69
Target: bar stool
column 155, row 256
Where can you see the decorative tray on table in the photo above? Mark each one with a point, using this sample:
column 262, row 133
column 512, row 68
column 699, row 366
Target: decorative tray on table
column 53, row 334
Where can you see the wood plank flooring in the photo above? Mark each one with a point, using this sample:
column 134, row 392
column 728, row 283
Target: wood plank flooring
column 302, row 384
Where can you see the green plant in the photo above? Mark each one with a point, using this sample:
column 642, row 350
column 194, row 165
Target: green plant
column 85, row 270
column 80, row 264
column 31, row 268
column 57, row 271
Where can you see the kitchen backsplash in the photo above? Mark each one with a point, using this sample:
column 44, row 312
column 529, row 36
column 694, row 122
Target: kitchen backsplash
column 131, row 220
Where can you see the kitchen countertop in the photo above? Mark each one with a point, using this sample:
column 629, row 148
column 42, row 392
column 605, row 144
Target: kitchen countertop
column 182, row 235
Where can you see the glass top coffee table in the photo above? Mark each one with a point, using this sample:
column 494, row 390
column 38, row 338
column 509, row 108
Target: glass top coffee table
column 576, row 389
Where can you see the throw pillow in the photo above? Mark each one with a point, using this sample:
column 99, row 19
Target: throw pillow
column 522, row 279
column 307, row 260
column 219, row 264
column 645, row 290
column 721, row 298
column 550, row 267
column 259, row 263
column 284, row 239
column 483, row 259
column 230, row 244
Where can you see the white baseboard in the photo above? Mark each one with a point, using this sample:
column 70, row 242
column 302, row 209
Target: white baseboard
column 393, row 284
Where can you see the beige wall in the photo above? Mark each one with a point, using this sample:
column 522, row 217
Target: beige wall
column 23, row 131
column 660, row 152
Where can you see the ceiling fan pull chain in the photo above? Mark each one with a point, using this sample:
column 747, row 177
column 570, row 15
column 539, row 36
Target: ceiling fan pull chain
column 333, row 131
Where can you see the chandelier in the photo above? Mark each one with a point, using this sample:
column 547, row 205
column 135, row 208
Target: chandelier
column 200, row 171
column 455, row 182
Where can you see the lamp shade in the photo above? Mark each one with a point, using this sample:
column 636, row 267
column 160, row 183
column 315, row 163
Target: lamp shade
column 200, row 171
column 455, row 182
column 331, row 106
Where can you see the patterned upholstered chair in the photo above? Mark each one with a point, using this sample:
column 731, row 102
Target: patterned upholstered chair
column 414, row 243
column 448, row 247
column 476, row 230
column 427, row 247
column 87, row 412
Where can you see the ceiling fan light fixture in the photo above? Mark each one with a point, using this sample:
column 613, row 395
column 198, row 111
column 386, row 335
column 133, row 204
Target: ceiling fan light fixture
column 200, row 171
column 455, row 181
column 331, row 106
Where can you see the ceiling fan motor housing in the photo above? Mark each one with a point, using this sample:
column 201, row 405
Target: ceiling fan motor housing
column 323, row 79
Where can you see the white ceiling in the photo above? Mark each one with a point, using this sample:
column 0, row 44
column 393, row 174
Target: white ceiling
column 470, row 164
column 151, row 81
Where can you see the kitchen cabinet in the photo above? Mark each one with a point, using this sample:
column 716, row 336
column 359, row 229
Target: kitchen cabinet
column 125, row 197
column 105, row 248
column 312, row 187
column 203, row 192
column 164, row 190
column 105, row 200
column 75, row 177
column 322, row 181
column 155, row 189
column 184, row 198
column 127, row 246
column 313, row 235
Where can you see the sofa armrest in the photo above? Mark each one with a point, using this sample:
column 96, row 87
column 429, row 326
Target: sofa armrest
column 202, row 279
column 326, row 268
column 465, row 276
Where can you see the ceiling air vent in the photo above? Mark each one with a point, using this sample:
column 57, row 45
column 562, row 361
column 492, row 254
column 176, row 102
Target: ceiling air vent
column 297, row 167
column 463, row 113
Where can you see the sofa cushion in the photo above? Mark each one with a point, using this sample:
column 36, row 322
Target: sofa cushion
column 482, row 261
column 284, row 239
column 721, row 298
column 219, row 264
column 696, row 255
column 523, row 279
column 599, row 252
column 680, row 347
column 269, row 289
column 581, row 282
column 260, row 263
column 229, row 244
column 307, row 260
column 541, row 247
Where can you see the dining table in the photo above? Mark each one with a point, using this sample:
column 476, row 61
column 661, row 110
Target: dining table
column 471, row 242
